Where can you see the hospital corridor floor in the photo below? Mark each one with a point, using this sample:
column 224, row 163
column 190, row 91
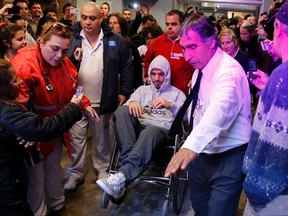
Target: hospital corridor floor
column 141, row 198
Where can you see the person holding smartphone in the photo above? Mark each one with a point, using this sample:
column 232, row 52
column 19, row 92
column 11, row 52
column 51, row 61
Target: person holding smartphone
column 4, row 11
column 260, row 78
column 23, row 5
column 16, row 123
column 266, row 159
column 69, row 18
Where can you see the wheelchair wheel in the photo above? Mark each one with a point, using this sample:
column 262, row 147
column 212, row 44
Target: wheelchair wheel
column 166, row 207
column 105, row 198
column 119, row 200
column 179, row 184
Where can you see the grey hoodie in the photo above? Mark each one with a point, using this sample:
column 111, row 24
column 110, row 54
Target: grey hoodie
column 162, row 117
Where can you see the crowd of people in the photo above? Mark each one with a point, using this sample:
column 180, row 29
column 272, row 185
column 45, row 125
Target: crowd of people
column 135, row 78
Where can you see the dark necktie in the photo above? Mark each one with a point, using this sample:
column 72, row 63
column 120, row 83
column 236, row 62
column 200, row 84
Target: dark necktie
column 176, row 125
column 195, row 98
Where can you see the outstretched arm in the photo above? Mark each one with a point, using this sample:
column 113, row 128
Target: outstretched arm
column 179, row 162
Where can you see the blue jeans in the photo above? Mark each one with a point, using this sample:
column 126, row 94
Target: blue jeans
column 136, row 142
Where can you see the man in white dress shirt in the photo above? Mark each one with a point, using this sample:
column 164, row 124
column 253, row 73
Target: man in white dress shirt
column 222, row 123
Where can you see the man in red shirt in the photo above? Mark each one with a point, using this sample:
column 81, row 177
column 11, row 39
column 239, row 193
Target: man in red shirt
column 168, row 46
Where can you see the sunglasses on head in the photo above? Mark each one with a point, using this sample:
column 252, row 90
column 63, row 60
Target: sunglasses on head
column 54, row 25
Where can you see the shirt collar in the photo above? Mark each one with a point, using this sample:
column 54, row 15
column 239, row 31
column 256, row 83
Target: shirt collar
column 213, row 63
column 173, row 41
column 100, row 37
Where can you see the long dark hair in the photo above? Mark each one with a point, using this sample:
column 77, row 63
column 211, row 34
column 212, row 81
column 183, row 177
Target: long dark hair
column 7, row 32
column 5, row 79
column 122, row 23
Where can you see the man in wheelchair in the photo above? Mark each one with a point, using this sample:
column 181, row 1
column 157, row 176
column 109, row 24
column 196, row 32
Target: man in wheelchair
column 142, row 123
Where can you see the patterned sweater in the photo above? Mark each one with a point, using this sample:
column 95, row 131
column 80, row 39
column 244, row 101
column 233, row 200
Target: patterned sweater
column 266, row 159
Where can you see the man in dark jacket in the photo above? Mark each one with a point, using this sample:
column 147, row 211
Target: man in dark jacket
column 100, row 56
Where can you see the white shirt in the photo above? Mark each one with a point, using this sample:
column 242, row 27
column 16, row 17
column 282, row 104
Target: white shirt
column 29, row 39
column 142, row 50
column 222, row 118
column 91, row 69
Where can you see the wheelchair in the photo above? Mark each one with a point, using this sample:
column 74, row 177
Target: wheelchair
column 176, row 186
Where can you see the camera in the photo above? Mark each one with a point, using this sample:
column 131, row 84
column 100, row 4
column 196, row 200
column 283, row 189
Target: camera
column 14, row 10
column 252, row 67
column 74, row 10
column 133, row 6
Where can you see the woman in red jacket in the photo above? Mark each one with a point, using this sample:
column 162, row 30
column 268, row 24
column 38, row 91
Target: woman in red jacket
column 51, row 78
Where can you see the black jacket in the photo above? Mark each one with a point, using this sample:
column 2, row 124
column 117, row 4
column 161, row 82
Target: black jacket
column 16, row 121
column 137, row 66
column 252, row 47
column 243, row 59
column 117, row 59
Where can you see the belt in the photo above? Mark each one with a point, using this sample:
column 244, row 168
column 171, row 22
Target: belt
column 235, row 150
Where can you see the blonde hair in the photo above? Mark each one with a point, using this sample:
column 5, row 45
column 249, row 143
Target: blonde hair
column 250, row 27
column 55, row 28
column 253, row 20
column 228, row 32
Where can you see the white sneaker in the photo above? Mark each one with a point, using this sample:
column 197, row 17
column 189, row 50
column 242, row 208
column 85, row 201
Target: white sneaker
column 72, row 184
column 113, row 184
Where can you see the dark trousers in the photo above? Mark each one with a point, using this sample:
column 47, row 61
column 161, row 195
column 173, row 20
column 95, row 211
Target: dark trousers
column 20, row 208
column 216, row 184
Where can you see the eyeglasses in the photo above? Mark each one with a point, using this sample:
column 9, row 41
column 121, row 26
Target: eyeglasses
column 55, row 25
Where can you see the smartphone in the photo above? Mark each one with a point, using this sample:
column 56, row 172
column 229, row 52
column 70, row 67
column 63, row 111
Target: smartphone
column 252, row 67
column 265, row 45
column 79, row 90
column 14, row 10
column 133, row 6
column 74, row 10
